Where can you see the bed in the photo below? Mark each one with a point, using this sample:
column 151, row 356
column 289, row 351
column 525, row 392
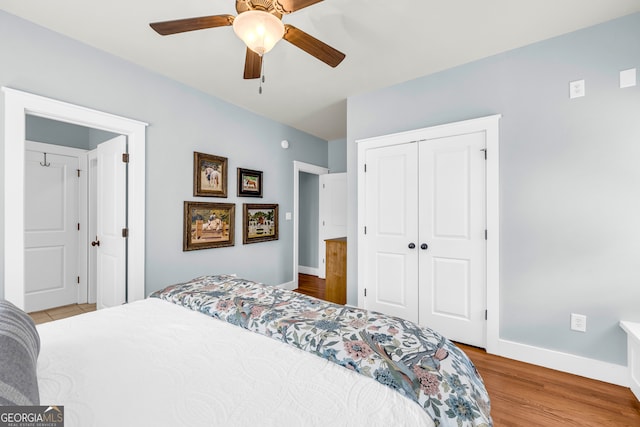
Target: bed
column 224, row 351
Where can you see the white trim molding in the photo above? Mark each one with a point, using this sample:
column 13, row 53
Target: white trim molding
column 312, row 271
column 565, row 362
column 17, row 105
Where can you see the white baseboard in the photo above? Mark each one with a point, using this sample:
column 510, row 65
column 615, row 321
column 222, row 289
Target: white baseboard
column 312, row 271
column 577, row 365
column 288, row 285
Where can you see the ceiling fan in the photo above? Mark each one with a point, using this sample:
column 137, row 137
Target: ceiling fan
column 259, row 24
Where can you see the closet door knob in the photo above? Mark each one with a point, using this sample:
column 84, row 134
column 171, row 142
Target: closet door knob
column 412, row 245
column 424, row 246
column 95, row 243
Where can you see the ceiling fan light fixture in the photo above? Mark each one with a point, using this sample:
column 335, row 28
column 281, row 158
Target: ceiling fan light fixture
column 259, row 30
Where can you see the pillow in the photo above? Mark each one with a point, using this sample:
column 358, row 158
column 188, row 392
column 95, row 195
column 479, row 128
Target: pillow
column 19, row 348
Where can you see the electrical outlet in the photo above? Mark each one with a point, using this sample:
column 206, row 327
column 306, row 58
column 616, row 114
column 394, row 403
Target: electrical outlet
column 576, row 89
column 578, row 322
column 628, row 78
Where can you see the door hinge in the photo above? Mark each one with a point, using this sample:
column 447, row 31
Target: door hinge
column 125, row 232
column 485, row 153
column 125, row 157
column 365, row 167
column 485, row 234
column 78, row 226
column 78, row 280
column 486, row 314
column 365, row 292
column 365, row 229
column 78, row 172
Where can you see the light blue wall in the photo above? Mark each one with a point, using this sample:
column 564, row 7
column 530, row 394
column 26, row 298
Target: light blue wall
column 338, row 155
column 309, row 203
column 59, row 133
column 181, row 121
column 97, row 136
column 569, row 192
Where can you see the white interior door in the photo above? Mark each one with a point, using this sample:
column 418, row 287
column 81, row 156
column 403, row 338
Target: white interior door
column 111, row 220
column 92, row 204
column 51, row 230
column 391, row 271
column 452, row 237
column 333, row 212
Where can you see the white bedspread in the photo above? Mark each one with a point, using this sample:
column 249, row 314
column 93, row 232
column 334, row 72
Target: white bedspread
column 152, row 363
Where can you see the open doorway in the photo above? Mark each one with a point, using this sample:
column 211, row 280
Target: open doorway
column 300, row 168
column 17, row 106
column 60, row 213
column 320, row 207
column 309, row 225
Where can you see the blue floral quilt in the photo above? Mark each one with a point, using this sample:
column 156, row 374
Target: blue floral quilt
column 416, row 361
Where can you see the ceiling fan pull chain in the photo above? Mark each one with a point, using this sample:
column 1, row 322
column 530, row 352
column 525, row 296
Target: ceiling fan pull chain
column 262, row 74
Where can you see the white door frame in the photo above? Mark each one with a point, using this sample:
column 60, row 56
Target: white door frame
column 92, row 214
column 17, row 105
column 297, row 168
column 489, row 125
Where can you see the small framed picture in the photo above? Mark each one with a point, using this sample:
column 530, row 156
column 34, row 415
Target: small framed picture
column 208, row 225
column 249, row 183
column 259, row 222
column 209, row 175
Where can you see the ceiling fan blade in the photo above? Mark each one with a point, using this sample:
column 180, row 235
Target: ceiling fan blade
column 252, row 65
column 190, row 24
column 292, row 5
column 313, row 46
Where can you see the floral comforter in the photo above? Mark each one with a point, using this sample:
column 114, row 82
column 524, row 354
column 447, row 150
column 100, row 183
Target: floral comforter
column 415, row 361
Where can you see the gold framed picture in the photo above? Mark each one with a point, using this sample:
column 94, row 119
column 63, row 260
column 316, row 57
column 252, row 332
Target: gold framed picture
column 208, row 225
column 259, row 222
column 209, row 175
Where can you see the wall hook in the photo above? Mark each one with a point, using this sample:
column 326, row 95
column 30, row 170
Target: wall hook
column 45, row 164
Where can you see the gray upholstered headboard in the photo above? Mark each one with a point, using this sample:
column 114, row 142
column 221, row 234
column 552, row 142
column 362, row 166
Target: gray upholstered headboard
column 19, row 348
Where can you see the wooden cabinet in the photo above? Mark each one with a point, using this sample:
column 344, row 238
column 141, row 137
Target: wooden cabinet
column 336, row 270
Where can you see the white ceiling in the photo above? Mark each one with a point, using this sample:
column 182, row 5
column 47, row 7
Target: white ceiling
column 385, row 42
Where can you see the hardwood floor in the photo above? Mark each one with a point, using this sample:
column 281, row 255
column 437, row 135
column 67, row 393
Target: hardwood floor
column 45, row 316
column 524, row 395
column 311, row 285
column 528, row 395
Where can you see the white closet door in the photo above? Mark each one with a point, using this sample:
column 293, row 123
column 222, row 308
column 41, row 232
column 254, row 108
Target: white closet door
column 51, row 230
column 111, row 219
column 391, row 272
column 452, row 237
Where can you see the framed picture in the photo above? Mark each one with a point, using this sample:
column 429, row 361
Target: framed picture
column 208, row 225
column 209, row 175
column 259, row 222
column 249, row 183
